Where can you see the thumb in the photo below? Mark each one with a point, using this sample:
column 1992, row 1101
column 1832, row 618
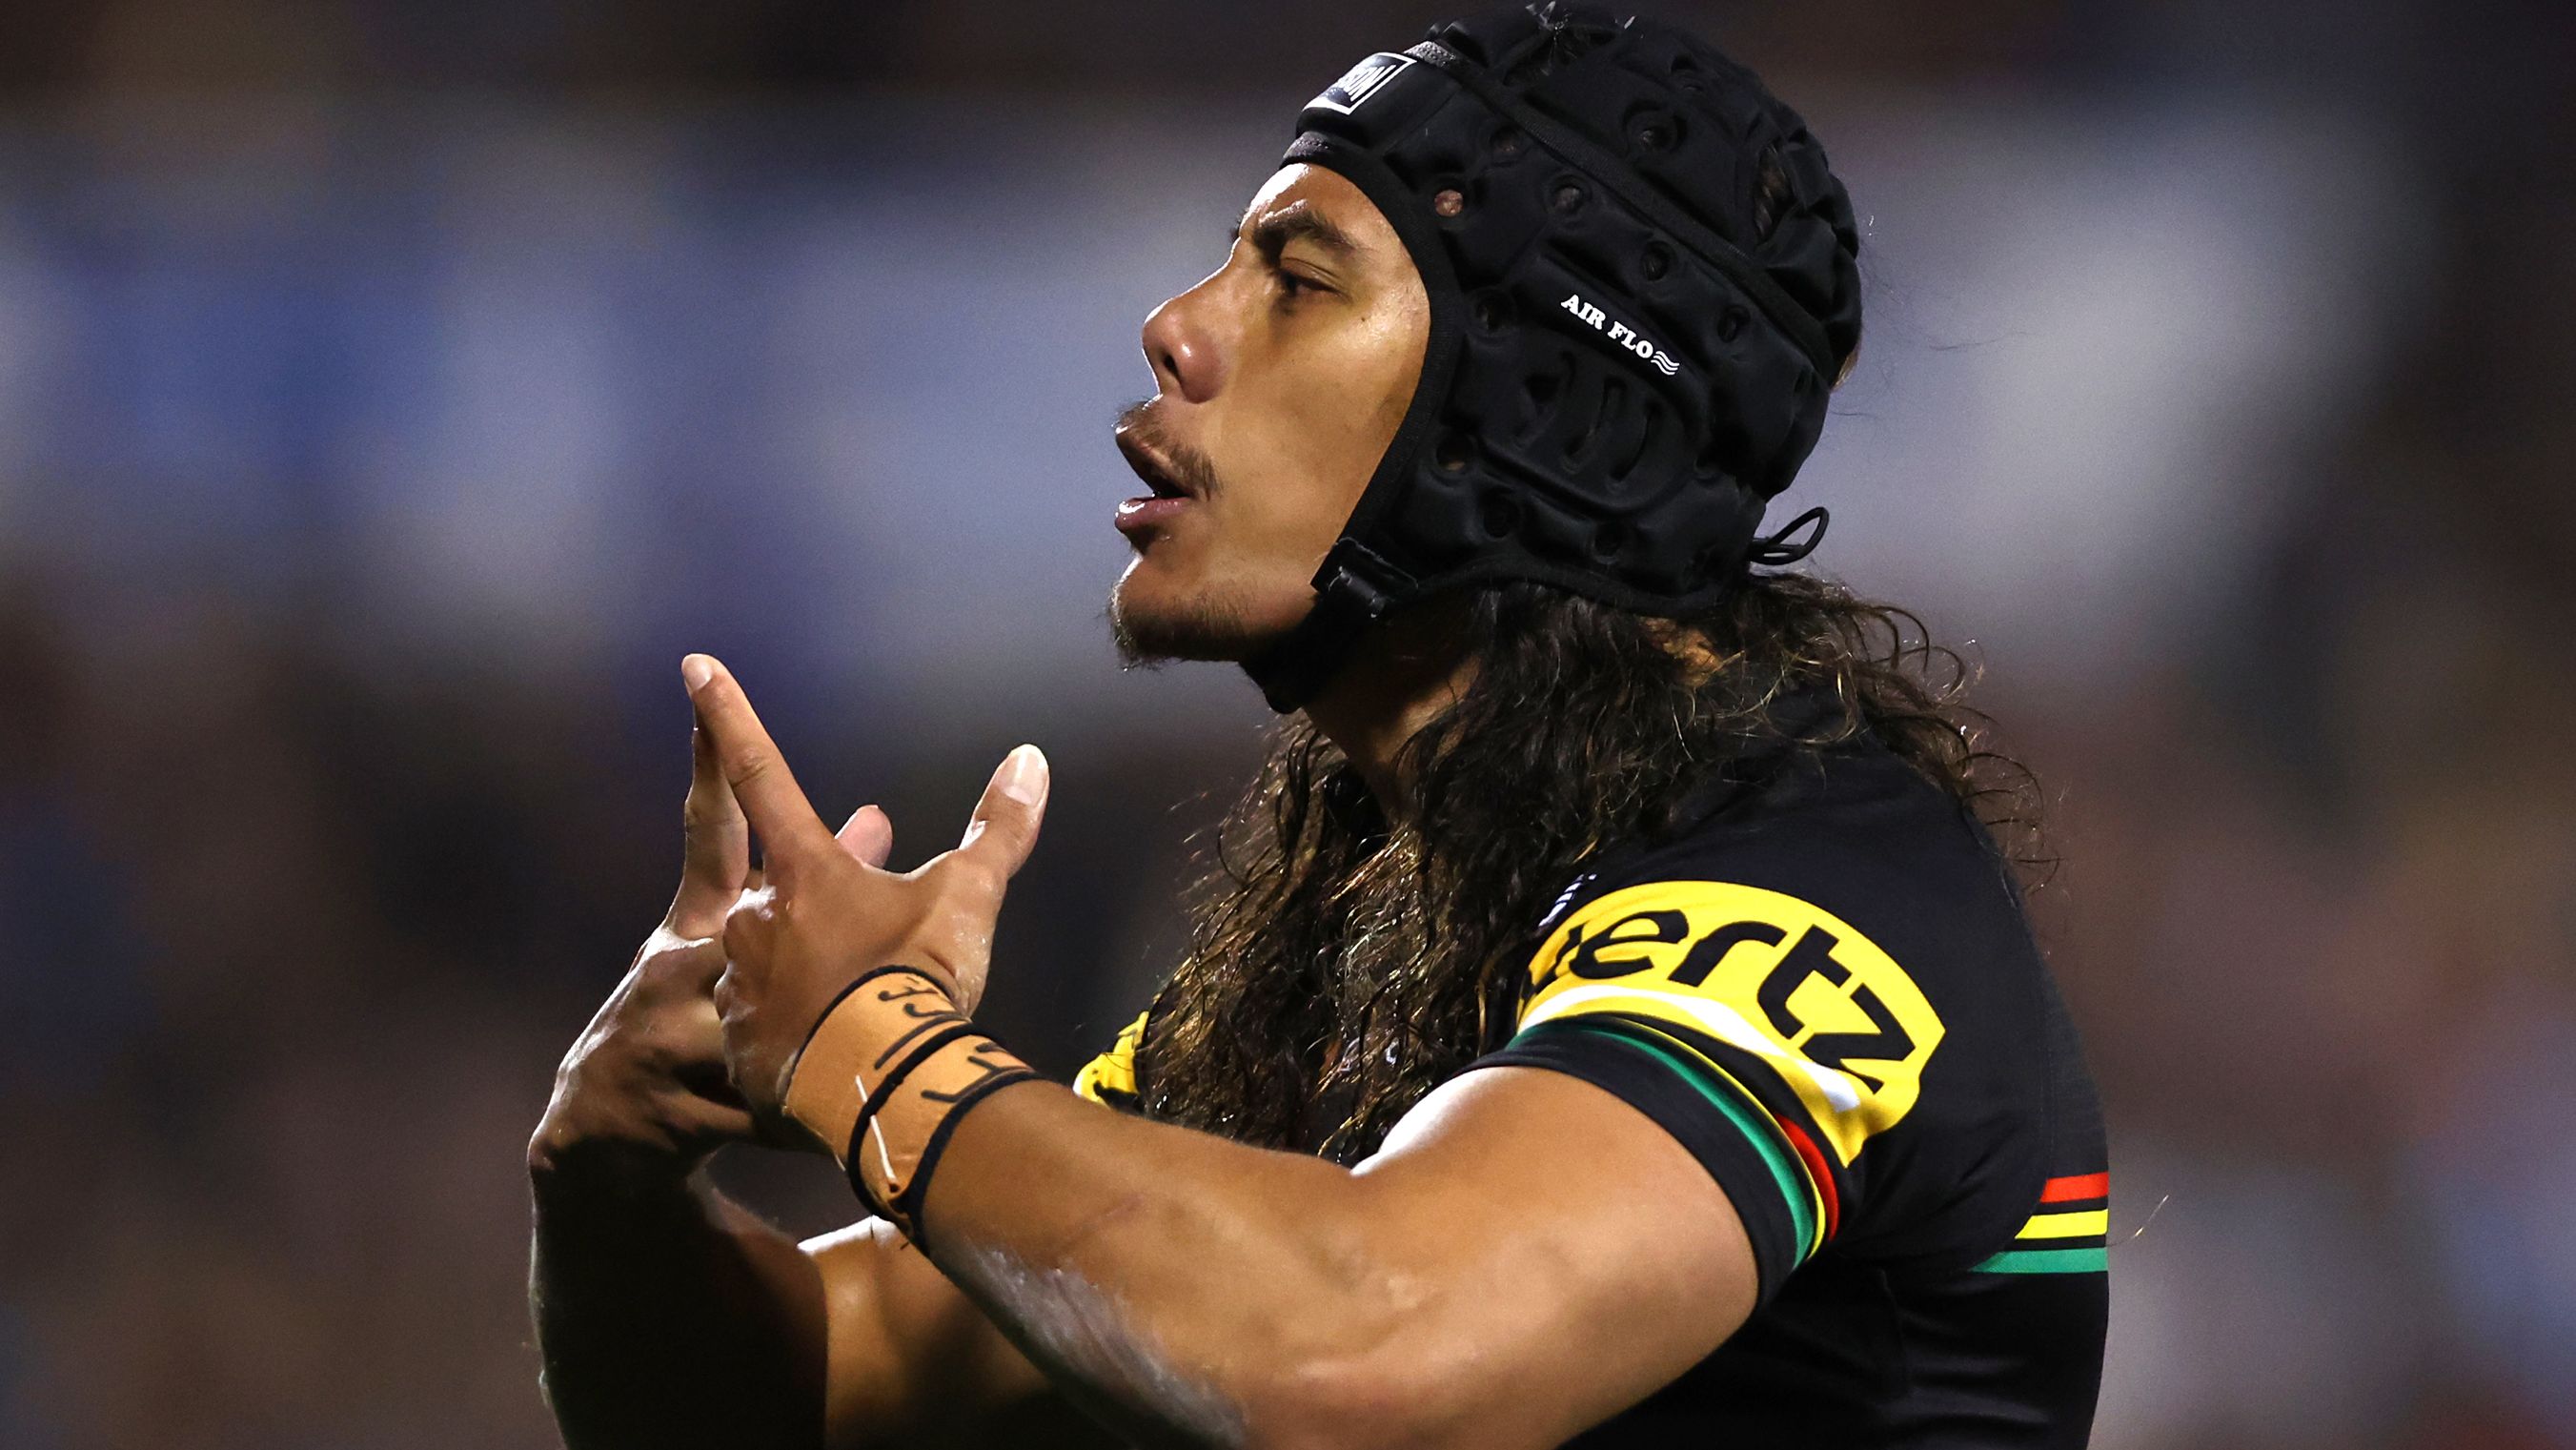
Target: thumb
column 868, row 836
column 1005, row 825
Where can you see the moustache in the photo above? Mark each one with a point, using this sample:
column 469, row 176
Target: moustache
column 1191, row 469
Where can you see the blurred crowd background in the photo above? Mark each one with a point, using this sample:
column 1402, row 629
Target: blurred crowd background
column 390, row 394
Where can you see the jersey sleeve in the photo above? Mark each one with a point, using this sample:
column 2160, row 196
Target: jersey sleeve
column 1772, row 1039
column 1110, row 1078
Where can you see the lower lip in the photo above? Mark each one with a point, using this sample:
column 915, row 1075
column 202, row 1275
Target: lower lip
column 1141, row 515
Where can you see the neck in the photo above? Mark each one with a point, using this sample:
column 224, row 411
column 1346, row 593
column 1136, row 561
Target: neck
column 1400, row 675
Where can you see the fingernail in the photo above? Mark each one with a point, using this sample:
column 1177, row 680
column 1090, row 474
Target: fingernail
column 1023, row 775
column 696, row 670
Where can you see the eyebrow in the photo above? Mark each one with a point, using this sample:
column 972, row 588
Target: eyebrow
column 1299, row 221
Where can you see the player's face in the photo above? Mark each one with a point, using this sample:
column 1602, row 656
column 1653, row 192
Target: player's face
column 1279, row 381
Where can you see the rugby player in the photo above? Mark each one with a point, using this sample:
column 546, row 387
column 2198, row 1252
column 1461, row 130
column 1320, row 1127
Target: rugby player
column 1611, row 1021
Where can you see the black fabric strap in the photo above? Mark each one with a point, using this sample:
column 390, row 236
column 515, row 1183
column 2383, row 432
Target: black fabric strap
column 906, row 1209
column 1353, row 589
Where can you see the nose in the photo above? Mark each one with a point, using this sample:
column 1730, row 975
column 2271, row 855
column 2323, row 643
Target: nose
column 1182, row 349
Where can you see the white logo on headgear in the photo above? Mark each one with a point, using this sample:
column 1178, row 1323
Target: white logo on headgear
column 1620, row 333
column 1361, row 82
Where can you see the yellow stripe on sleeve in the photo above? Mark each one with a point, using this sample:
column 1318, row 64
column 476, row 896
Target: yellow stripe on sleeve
column 2066, row 1225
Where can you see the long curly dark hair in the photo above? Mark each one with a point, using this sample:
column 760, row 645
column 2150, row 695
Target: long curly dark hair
column 1345, row 958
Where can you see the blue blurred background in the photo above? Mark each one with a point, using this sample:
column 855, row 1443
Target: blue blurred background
column 390, row 394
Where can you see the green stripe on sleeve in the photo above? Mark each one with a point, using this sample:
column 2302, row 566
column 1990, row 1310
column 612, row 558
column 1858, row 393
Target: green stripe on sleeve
column 1790, row 1175
column 2048, row 1261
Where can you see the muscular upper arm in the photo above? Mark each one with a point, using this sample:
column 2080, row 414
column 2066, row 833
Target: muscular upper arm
column 1571, row 1256
column 913, row 1362
column 1563, row 1256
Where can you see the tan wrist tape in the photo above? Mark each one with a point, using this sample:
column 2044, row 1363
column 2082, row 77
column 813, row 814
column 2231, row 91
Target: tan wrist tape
column 884, row 1079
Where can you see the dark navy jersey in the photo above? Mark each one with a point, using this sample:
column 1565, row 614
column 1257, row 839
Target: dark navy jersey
column 1825, row 988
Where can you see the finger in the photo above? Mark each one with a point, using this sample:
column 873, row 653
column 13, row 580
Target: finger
column 716, row 851
column 868, row 835
column 694, row 1048
column 679, row 965
column 778, row 811
column 748, row 930
column 693, row 1115
column 1005, row 827
column 709, row 1081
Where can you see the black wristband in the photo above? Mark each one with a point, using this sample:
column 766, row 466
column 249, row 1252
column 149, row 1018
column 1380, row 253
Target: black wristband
column 907, row 1205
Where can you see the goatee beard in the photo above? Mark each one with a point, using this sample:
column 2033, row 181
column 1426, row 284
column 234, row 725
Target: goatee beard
column 1204, row 629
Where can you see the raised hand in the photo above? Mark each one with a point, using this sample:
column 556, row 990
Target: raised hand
column 643, row 1091
column 823, row 915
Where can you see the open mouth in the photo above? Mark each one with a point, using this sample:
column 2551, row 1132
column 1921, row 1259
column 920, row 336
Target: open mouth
column 1149, row 467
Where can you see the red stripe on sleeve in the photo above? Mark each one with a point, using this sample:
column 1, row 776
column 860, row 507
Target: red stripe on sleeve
column 1816, row 1170
column 2067, row 1190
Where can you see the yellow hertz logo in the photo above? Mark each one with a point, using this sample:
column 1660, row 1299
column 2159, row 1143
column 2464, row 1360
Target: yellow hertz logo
column 1113, row 1072
column 1769, row 974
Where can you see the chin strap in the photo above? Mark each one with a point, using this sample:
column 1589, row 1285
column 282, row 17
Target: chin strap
column 1356, row 587
column 1353, row 589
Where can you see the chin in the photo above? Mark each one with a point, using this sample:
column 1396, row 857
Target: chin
column 1154, row 620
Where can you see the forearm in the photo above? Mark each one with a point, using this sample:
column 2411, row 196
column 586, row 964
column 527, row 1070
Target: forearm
column 1187, row 1289
column 666, row 1315
column 1190, row 1290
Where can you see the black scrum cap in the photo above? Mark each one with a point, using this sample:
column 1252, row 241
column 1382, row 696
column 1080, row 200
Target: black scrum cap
column 1623, row 367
